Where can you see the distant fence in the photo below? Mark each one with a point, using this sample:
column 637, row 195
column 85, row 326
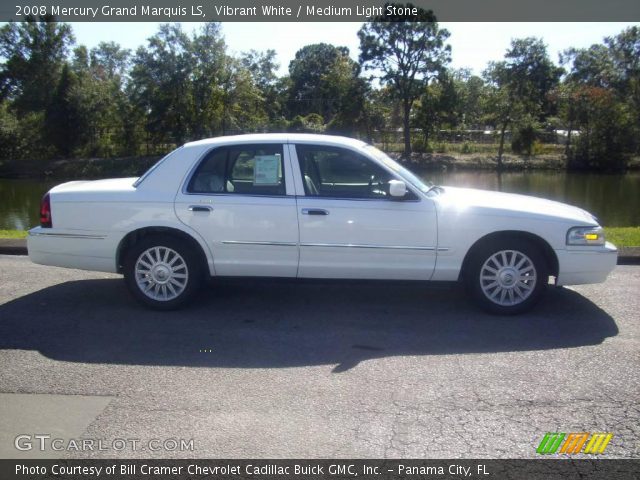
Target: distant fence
column 390, row 140
column 107, row 142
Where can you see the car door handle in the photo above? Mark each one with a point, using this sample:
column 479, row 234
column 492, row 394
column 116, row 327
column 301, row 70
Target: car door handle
column 314, row 211
column 200, row 208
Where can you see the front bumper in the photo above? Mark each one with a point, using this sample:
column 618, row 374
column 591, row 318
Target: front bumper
column 582, row 265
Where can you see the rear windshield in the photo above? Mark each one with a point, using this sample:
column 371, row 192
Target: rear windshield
column 155, row 165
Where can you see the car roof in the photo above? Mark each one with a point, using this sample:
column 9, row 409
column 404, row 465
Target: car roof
column 280, row 137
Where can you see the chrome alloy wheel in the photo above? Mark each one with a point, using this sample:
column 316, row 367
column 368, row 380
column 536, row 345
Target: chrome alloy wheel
column 161, row 273
column 508, row 277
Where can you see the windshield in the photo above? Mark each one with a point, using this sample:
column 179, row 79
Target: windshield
column 399, row 169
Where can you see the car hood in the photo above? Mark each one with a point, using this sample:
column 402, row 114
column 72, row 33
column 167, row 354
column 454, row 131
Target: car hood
column 509, row 204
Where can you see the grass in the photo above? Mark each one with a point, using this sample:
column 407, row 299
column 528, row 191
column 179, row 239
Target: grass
column 620, row 236
column 467, row 147
column 13, row 234
column 623, row 236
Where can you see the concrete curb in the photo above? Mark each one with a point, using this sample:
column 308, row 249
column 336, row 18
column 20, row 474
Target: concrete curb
column 18, row 246
column 13, row 246
column 629, row 256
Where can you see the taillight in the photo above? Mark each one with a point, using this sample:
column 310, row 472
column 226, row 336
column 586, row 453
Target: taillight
column 45, row 212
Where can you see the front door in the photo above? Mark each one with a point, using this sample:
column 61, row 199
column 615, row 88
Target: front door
column 350, row 227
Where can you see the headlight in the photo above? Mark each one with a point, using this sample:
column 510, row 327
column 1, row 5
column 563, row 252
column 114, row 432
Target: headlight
column 585, row 236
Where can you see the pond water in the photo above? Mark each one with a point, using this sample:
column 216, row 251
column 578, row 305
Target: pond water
column 614, row 199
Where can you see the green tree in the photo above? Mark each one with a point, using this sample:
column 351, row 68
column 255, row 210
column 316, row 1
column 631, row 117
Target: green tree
column 351, row 90
column 324, row 80
column 206, row 69
column 262, row 68
column 102, row 105
column 590, row 66
column 10, row 141
column 312, row 123
column 162, row 84
column 437, row 106
column 519, row 88
column 600, row 100
column 405, row 55
column 242, row 100
column 376, row 112
column 625, row 50
column 109, row 61
column 470, row 90
column 63, row 124
column 605, row 126
column 34, row 53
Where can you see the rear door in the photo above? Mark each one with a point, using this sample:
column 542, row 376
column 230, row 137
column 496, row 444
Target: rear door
column 240, row 198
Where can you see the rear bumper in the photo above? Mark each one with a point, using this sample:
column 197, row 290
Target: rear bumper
column 71, row 249
column 581, row 266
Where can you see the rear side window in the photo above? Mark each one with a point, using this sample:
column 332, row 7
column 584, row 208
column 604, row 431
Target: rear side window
column 242, row 169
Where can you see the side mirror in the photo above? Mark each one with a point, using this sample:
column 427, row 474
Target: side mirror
column 397, row 188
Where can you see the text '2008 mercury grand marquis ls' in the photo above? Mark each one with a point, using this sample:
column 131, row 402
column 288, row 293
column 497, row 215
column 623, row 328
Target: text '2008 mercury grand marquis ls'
column 312, row 206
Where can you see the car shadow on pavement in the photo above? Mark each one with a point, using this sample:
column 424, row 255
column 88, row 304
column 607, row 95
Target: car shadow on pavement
column 271, row 324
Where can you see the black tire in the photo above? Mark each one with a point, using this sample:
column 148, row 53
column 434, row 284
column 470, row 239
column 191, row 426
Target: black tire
column 180, row 285
column 520, row 295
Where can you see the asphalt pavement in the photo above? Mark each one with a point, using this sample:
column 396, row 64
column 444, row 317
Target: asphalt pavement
column 278, row 369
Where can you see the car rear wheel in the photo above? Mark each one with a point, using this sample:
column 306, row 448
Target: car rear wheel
column 507, row 276
column 162, row 273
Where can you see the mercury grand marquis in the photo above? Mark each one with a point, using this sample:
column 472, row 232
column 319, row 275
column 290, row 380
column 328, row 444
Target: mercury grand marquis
column 312, row 206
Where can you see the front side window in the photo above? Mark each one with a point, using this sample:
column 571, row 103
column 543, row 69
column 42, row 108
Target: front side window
column 341, row 173
column 243, row 169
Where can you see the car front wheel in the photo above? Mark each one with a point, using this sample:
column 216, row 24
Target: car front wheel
column 162, row 272
column 507, row 277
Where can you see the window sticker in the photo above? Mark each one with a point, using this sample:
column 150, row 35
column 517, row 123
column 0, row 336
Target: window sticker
column 266, row 170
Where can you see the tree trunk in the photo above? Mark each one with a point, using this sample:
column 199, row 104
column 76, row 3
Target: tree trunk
column 368, row 126
column 567, row 148
column 407, row 132
column 224, row 118
column 501, row 147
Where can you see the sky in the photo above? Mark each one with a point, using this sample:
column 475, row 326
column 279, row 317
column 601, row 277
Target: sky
column 473, row 44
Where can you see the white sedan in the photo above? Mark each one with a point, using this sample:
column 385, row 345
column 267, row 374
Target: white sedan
column 312, row 206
